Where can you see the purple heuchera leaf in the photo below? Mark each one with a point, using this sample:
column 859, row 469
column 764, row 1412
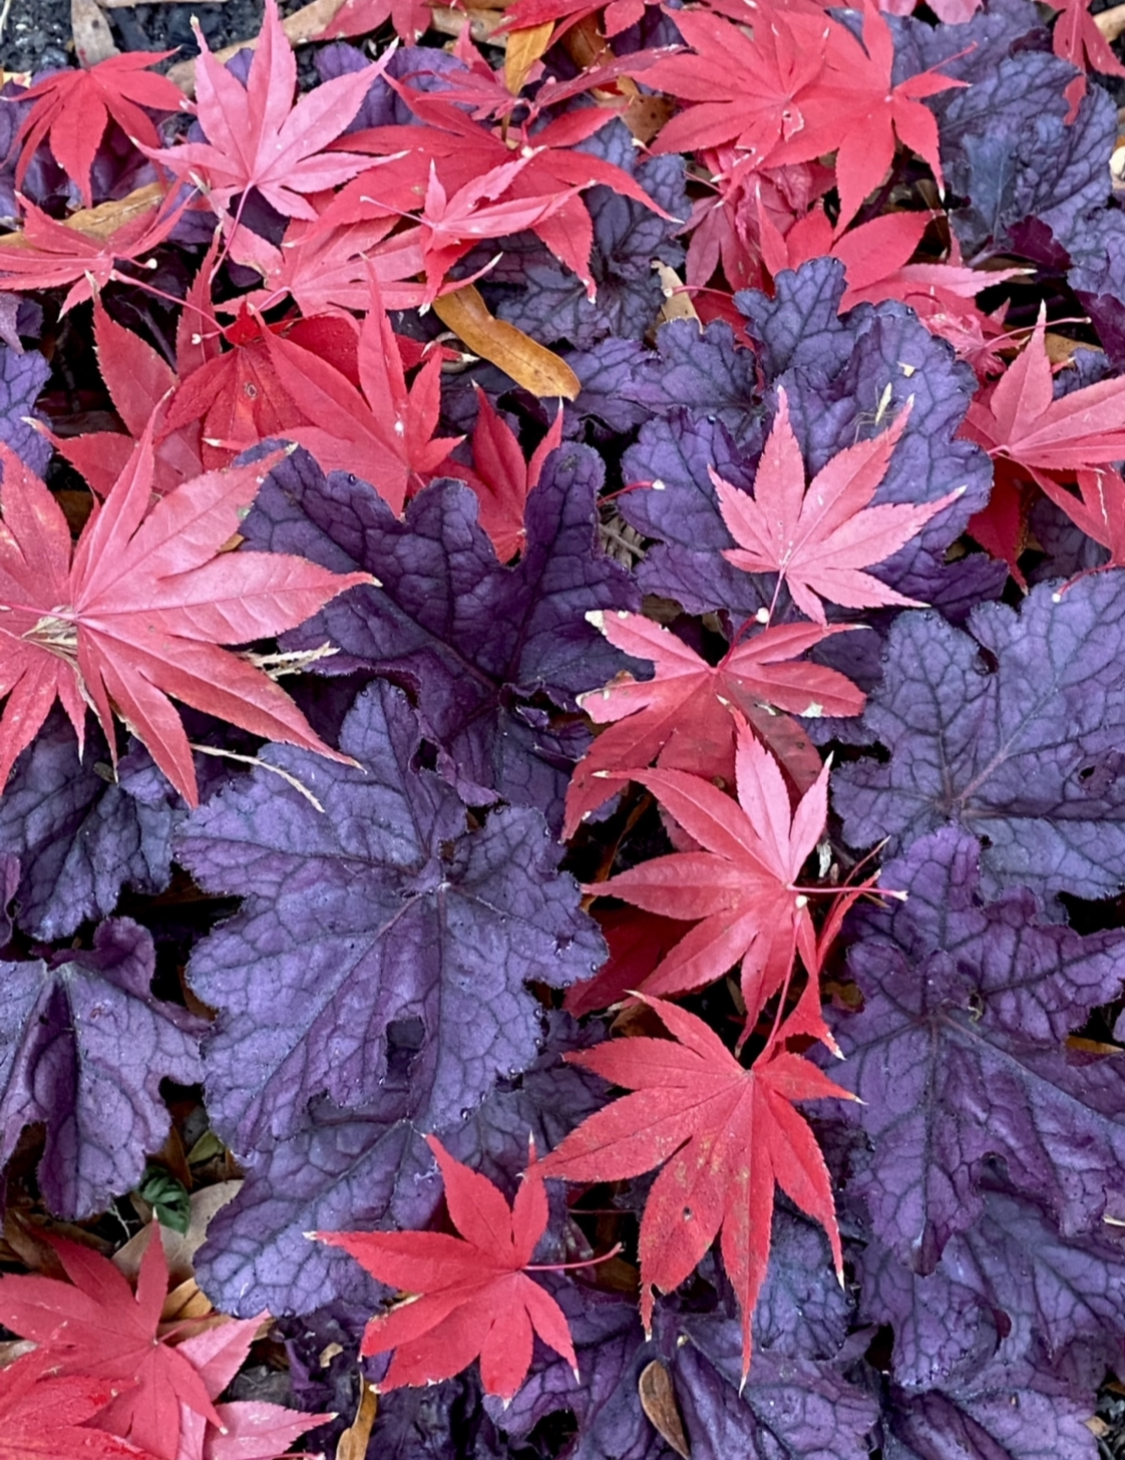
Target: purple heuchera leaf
column 844, row 378
column 477, row 642
column 23, row 375
column 789, row 1409
column 380, row 930
column 958, row 1054
column 9, row 881
column 83, row 1048
column 1015, row 731
column 341, row 1172
column 1007, row 149
column 969, row 51
column 681, row 511
column 80, row 836
column 1097, row 276
column 998, row 1415
column 1010, row 1289
column 348, row 1170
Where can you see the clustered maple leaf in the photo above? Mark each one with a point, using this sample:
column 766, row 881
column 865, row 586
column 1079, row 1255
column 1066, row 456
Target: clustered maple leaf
column 349, row 441
column 100, row 1362
column 136, row 611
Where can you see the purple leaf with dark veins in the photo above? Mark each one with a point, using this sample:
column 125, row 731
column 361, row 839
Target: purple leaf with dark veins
column 958, row 1054
column 376, row 931
column 81, row 836
column 477, row 642
column 1015, row 731
column 83, row 1048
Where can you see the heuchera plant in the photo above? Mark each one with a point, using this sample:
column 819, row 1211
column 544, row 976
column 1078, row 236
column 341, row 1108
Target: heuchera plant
column 562, row 738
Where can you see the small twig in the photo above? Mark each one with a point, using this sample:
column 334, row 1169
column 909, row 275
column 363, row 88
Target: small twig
column 265, row 765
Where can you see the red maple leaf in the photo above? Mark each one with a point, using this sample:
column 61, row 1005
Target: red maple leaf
column 251, row 1429
column 329, row 269
column 139, row 611
column 461, row 152
column 741, row 888
column 360, row 17
column 1078, row 40
column 724, row 1135
column 72, row 109
column 501, row 477
column 856, row 110
column 680, row 717
column 471, row 1296
column 817, row 540
column 138, row 379
column 385, row 435
column 47, row 1418
column 257, row 138
column 47, row 255
column 751, row 93
column 96, row 1327
column 1020, row 420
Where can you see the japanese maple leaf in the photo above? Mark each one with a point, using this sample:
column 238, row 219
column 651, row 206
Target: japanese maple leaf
column 257, row 138
column 1021, row 421
column 47, row 255
column 751, row 93
column 72, row 109
column 1099, row 509
column 384, row 435
column 725, row 1135
column 856, row 111
column 471, row 1296
column 1078, row 40
column 451, row 226
column 46, row 1418
column 617, row 16
column 138, row 611
column 360, row 17
column 741, row 888
column 138, row 379
column 322, row 270
column 680, row 717
column 501, row 477
column 818, row 539
column 461, row 151
column 95, row 1326
column 251, row 1429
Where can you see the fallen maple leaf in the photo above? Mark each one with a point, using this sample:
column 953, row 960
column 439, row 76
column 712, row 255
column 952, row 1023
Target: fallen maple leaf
column 1077, row 39
column 818, row 539
column 470, row 1295
column 139, row 612
column 94, row 1326
column 46, row 1418
column 71, row 110
column 1020, row 419
column 1099, row 509
column 47, row 255
column 856, row 110
column 680, row 717
column 741, row 888
column 725, row 1137
column 138, row 379
column 257, row 138
column 501, row 477
column 747, row 92
column 251, row 1429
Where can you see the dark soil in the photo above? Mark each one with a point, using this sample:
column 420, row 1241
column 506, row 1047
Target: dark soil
column 38, row 36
